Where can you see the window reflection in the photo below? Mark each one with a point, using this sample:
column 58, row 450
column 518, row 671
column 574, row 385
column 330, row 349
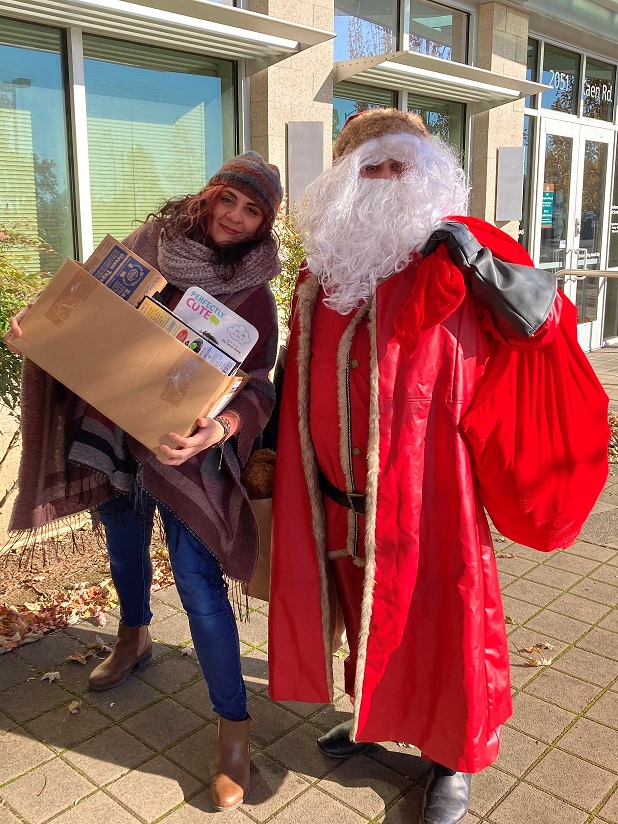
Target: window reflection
column 35, row 184
column 591, row 228
column 436, row 30
column 613, row 227
column 351, row 98
column 524, row 230
column 598, row 90
column 442, row 118
column 365, row 28
column 561, row 72
column 555, row 201
column 160, row 123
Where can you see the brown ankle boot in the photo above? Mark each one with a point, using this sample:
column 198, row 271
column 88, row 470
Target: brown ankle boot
column 133, row 649
column 230, row 776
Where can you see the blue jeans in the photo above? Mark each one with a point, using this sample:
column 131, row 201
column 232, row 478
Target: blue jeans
column 201, row 588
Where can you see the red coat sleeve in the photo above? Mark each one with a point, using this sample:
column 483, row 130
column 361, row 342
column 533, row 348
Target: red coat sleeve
column 538, row 434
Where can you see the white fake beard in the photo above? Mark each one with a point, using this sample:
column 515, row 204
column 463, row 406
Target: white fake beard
column 358, row 231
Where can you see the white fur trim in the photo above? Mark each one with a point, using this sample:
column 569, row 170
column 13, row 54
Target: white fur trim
column 371, row 496
column 307, row 296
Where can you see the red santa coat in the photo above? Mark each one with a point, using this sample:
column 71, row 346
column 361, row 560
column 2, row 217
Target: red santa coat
column 448, row 434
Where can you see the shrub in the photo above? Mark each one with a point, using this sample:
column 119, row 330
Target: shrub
column 20, row 280
column 292, row 255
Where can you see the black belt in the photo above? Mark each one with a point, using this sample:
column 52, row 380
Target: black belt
column 351, row 500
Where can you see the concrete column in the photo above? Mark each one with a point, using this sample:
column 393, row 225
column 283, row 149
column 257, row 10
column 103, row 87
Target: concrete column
column 502, row 47
column 298, row 88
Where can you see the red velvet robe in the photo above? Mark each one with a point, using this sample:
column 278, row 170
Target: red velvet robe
column 460, row 419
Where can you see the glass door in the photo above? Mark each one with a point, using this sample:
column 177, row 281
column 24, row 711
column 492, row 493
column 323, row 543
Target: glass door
column 590, row 239
column 556, row 222
column 572, row 225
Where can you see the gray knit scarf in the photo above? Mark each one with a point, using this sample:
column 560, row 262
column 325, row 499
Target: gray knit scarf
column 185, row 263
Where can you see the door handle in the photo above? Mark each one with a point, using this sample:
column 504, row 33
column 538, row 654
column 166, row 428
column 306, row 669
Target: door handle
column 579, row 253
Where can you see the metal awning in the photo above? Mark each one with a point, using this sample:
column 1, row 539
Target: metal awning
column 198, row 26
column 429, row 76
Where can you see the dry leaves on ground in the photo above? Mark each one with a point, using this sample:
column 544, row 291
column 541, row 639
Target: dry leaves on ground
column 613, row 438
column 535, row 649
column 54, row 610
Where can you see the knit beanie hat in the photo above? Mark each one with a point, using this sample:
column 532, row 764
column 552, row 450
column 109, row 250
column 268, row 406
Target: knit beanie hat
column 372, row 123
column 251, row 175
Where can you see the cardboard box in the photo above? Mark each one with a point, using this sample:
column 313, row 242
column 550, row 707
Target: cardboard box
column 113, row 357
column 122, row 271
column 197, row 343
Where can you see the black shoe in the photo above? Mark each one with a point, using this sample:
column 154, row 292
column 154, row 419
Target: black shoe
column 447, row 796
column 337, row 744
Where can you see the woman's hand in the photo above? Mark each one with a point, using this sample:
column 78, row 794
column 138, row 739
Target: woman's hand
column 14, row 330
column 208, row 433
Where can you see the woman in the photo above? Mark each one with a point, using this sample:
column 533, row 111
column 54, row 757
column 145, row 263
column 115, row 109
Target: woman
column 221, row 240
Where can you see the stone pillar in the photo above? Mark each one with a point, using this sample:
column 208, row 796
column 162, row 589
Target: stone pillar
column 502, row 47
column 298, row 88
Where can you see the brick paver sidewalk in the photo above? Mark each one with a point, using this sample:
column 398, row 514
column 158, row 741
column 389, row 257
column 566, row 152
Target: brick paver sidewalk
column 141, row 752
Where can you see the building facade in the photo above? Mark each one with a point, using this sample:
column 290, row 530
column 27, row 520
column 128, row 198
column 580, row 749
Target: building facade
column 109, row 107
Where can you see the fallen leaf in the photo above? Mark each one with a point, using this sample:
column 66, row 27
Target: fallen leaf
column 508, row 619
column 74, row 707
column 78, row 657
column 100, row 618
column 51, row 676
column 536, row 648
column 539, row 662
column 505, row 555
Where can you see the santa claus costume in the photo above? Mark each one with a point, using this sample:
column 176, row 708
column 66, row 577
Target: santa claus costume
column 406, row 413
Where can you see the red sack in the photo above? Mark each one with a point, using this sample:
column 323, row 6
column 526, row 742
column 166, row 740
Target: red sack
column 538, row 434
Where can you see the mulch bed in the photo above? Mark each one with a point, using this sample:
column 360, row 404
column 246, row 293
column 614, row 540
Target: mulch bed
column 60, row 582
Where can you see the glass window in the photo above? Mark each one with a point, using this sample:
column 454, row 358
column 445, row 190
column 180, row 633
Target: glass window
column 438, row 31
column 613, row 227
column 561, row 72
column 350, row 98
column 591, row 222
column 532, row 69
column 35, row 184
column 555, row 203
column 610, row 322
column 442, row 118
column 365, row 28
column 598, row 91
column 160, row 123
column 524, row 226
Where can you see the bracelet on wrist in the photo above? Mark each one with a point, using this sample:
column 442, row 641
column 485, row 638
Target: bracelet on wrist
column 227, row 429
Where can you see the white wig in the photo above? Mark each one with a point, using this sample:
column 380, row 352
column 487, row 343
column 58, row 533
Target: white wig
column 358, row 231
